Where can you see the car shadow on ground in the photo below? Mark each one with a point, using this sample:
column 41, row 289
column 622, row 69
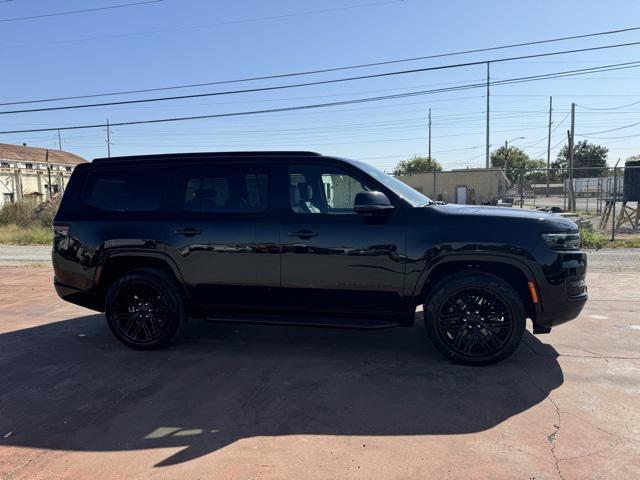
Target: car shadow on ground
column 70, row 385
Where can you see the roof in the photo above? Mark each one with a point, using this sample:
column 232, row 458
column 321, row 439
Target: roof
column 476, row 169
column 36, row 154
column 206, row 155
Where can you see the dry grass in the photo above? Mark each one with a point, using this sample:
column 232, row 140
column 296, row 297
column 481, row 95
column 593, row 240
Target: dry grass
column 35, row 234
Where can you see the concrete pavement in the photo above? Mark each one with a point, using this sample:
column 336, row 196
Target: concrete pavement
column 246, row 401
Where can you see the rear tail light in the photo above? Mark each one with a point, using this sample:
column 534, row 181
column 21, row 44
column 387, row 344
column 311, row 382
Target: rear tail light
column 61, row 228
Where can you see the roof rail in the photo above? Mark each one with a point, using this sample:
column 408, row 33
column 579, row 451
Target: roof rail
column 203, row 155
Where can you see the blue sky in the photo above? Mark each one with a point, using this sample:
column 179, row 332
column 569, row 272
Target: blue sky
column 174, row 42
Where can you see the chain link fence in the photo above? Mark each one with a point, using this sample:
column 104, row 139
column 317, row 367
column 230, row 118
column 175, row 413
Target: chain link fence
column 597, row 195
column 604, row 199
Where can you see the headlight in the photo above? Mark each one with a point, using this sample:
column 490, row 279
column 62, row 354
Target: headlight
column 562, row 241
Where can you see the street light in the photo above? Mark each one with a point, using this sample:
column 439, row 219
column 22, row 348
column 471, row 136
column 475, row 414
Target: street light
column 506, row 151
column 506, row 157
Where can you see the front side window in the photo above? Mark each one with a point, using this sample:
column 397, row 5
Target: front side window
column 223, row 189
column 318, row 189
column 404, row 191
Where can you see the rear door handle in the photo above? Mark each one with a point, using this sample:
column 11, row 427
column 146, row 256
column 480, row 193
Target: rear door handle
column 304, row 234
column 188, row 232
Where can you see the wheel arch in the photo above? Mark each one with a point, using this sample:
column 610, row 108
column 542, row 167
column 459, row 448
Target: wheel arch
column 513, row 271
column 114, row 265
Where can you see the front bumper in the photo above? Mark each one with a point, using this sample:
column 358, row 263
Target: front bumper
column 564, row 291
column 547, row 319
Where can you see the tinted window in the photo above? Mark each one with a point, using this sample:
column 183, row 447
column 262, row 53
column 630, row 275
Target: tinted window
column 316, row 189
column 222, row 189
column 125, row 190
column 415, row 198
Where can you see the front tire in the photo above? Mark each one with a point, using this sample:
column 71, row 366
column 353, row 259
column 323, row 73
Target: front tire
column 145, row 310
column 475, row 318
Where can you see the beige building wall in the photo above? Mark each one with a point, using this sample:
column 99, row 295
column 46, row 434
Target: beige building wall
column 26, row 172
column 20, row 183
column 472, row 186
column 343, row 190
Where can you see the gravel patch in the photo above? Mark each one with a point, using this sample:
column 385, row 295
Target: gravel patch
column 17, row 255
column 604, row 260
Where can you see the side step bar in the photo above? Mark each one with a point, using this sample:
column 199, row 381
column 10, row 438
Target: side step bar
column 302, row 320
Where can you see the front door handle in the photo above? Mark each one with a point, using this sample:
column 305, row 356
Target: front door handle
column 188, row 232
column 304, row 234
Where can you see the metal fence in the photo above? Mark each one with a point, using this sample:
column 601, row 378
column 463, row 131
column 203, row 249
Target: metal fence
column 595, row 194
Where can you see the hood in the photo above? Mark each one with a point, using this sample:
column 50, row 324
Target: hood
column 548, row 220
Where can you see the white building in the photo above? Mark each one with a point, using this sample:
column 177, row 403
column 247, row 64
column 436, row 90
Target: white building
column 31, row 173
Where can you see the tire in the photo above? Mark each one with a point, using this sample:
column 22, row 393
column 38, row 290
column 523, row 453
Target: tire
column 145, row 309
column 474, row 318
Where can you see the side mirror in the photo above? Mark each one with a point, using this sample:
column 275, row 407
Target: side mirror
column 372, row 203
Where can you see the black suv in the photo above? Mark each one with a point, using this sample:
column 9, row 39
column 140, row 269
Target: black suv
column 303, row 239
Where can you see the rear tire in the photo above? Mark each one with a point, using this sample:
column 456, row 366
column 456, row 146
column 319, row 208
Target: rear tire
column 145, row 309
column 474, row 318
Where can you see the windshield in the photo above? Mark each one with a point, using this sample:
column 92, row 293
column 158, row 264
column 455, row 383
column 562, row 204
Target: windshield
column 403, row 190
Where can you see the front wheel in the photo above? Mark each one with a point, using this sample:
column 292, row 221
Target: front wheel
column 144, row 309
column 475, row 318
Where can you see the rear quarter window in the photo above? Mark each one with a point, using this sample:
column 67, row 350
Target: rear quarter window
column 135, row 190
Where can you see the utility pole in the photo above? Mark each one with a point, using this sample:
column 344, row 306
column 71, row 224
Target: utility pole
column 59, row 141
column 506, row 156
column 429, row 134
column 487, row 149
column 549, row 142
column 570, row 168
column 615, row 198
column 108, row 140
column 571, row 151
column 48, row 170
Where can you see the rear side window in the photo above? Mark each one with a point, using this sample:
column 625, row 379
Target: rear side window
column 225, row 189
column 136, row 190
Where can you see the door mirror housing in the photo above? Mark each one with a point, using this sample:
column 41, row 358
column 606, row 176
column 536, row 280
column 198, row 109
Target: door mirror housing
column 372, row 203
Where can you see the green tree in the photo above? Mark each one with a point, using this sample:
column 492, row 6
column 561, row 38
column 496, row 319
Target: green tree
column 589, row 159
column 536, row 171
column 516, row 163
column 417, row 165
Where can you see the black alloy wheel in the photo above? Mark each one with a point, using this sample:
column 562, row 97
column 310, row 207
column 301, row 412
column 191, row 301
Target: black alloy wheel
column 475, row 318
column 474, row 322
column 144, row 309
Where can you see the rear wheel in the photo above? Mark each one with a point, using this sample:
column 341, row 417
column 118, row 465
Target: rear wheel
column 145, row 310
column 475, row 318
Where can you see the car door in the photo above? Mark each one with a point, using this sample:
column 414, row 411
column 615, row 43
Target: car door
column 334, row 259
column 221, row 238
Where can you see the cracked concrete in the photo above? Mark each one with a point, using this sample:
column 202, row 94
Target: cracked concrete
column 553, row 438
column 246, row 401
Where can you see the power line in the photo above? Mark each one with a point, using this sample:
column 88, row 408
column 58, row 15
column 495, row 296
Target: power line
column 73, row 12
column 348, row 79
column 619, row 137
column 610, row 108
column 332, row 69
column 531, row 145
column 210, row 25
column 311, row 106
column 22, row 102
column 607, row 131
